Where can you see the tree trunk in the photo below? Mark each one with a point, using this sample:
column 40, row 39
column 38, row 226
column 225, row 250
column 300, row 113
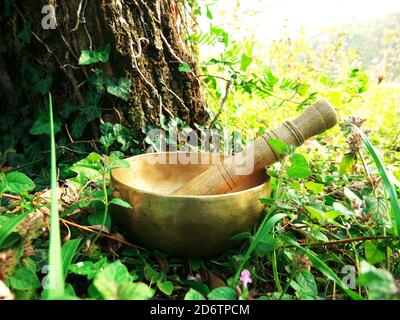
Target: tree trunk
column 147, row 47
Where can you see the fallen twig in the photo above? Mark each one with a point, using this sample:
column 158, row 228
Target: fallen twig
column 350, row 240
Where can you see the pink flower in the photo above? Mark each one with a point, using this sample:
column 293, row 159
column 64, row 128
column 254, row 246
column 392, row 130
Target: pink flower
column 245, row 277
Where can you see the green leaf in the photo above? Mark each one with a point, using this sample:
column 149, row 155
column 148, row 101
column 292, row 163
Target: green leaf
column 267, row 200
column 8, row 225
column 245, row 61
column 319, row 215
column 3, row 183
column 78, row 126
column 68, row 252
column 115, row 282
column 120, row 202
column 305, row 284
column 24, row 279
column 222, row 293
column 208, row 13
column 315, row 188
column 43, row 85
column 380, row 282
column 241, row 236
column 347, row 163
column 99, row 55
column 185, row 68
column 198, row 286
column 323, row 267
column 68, row 108
column 193, row 295
column 110, row 278
column 279, row 146
column 18, row 182
column 97, row 219
column 299, row 168
column 91, row 108
column 42, row 124
column 135, row 291
column 166, row 287
column 266, row 245
column 90, row 167
column 121, row 90
column 88, row 268
column 372, row 253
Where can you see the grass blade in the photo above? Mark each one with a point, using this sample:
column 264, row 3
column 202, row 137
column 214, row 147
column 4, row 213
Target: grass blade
column 7, row 227
column 68, row 252
column 390, row 189
column 323, row 268
column 55, row 287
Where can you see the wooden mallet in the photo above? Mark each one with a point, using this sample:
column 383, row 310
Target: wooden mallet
column 225, row 176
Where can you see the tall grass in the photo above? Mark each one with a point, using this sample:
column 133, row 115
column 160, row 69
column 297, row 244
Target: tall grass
column 55, row 288
column 389, row 187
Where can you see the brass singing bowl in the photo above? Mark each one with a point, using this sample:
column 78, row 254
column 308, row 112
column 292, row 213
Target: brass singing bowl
column 184, row 225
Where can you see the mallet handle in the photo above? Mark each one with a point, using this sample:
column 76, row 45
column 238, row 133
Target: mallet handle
column 225, row 175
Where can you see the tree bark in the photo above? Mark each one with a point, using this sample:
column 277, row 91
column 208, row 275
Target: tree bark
column 147, row 47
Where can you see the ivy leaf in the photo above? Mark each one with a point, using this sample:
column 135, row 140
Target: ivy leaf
column 99, row 55
column 193, row 295
column 299, row 168
column 222, row 293
column 18, row 182
column 78, row 126
column 42, row 124
column 91, row 107
column 184, row 68
column 43, row 85
column 68, row 108
column 120, row 202
column 120, row 90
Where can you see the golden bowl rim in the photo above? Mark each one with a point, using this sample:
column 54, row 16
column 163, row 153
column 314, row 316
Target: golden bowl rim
column 225, row 195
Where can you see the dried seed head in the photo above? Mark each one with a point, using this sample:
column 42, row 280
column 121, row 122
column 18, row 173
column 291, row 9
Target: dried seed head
column 354, row 141
column 7, row 263
column 28, row 248
column 302, row 261
column 33, row 226
column 357, row 121
column 374, row 181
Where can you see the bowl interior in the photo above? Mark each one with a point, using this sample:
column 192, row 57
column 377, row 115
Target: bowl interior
column 163, row 173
